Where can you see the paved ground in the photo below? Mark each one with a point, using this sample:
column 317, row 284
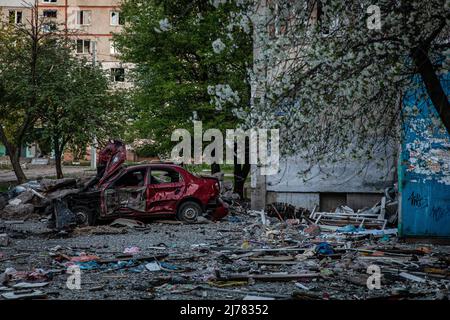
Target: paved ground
column 8, row 176
column 196, row 253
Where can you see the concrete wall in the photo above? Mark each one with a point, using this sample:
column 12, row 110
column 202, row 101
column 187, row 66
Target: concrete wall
column 326, row 202
column 340, row 177
column 329, row 186
column 424, row 179
column 304, row 200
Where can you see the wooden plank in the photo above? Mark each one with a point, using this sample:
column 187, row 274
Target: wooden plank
column 269, row 277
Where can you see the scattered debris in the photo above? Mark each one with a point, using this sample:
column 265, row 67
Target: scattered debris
column 27, row 285
column 121, row 222
column 254, row 298
column 24, row 295
column 249, row 255
column 153, row 266
column 4, row 240
column 411, row 277
column 132, row 250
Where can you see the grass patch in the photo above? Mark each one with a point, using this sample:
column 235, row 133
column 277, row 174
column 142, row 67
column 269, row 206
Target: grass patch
column 6, row 186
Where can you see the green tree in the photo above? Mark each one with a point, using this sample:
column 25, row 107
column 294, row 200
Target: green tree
column 184, row 55
column 24, row 59
column 48, row 93
column 78, row 105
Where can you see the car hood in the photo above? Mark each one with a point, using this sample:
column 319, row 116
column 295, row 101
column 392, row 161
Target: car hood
column 114, row 164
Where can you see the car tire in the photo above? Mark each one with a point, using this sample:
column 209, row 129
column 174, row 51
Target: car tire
column 85, row 215
column 189, row 211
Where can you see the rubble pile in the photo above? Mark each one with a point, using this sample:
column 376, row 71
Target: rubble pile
column 35, row 197
column 247, row 255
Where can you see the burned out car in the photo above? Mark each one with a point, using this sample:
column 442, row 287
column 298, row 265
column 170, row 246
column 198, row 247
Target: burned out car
column 147, row 190
column 150, row 190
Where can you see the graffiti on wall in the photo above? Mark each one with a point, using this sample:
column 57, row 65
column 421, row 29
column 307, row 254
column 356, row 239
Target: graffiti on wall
column 424, row 175
column 417, row 200
column 438, row 213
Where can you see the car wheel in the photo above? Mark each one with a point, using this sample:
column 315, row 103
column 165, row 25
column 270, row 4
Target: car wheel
column 85, row 216
column 189, row 211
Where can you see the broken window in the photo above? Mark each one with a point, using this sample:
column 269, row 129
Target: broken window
column 162, row 176
column 135, row 178
column 330, row 201
column 15, row 17
column 83, row 46
column 116, row 18
column 113, row 49
column 84, row 17
column 117, row 74
column 49, row 27
column 50, row 13
column 127, row 193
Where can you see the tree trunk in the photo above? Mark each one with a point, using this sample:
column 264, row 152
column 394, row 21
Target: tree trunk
column 433, row 85
column 215, row 168
column 14, row 157
column 240, row 176
column 59, row 173
column 241, row 171
column 58, row 156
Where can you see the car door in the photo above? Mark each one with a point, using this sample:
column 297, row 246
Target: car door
column 127, row 194
column 166, row 188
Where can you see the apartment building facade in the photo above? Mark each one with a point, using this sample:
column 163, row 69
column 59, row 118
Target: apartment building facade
column 90, row 23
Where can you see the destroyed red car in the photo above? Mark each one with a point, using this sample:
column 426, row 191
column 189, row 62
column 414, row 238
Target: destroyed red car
column 148, row 190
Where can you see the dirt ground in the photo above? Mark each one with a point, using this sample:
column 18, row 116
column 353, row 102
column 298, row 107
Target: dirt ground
column 34, row 172
column 203, row 260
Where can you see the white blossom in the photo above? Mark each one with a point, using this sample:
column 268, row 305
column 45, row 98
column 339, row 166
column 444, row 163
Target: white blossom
column 222, row 94
column 334, row 90
column 165, row 25
column 218, row 46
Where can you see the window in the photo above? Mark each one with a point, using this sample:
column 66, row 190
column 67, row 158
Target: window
column 330, row 201
column 49, row 27
column 134, row 178
column 118, row 75
column 83, row 46
column 162, row 176
column 116, row 19
column 84, row 17
column 113, row 49
column 50, row 13
column 15, row 17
